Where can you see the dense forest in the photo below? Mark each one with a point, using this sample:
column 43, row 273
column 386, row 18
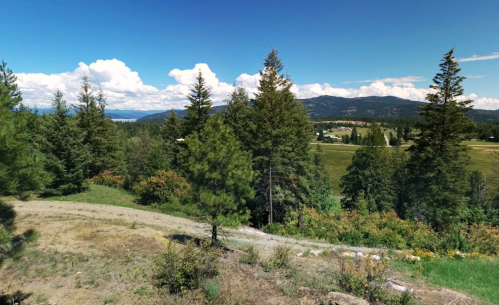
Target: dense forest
column 251, row 162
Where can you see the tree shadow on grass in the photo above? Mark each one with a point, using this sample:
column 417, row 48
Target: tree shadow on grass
column 15, row 298
column 10, row 244
column 183, row 239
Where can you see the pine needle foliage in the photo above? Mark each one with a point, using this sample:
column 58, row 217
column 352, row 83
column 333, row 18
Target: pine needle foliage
column 438, row 160
column 220, row 172
column 199, row 110
column 280, row 143
column 67, row 156
column 100, row 134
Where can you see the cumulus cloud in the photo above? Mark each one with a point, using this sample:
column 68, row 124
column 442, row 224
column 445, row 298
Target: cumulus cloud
column 406, row 81
column 480, row 57
column 124, row 88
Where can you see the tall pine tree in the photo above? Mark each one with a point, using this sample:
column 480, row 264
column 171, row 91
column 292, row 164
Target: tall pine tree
column 281, row 140
column 221, row 173
column 369, row 179
column 200, row 108
column 237, row 114
column 101, row 136
column 438, row 161
column 67, row 156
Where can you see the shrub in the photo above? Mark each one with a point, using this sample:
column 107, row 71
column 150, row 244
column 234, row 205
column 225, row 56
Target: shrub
column 185, row 269
column 107, row 178
column 251, row 255
column 375, row 230
column 212, row 290
column 162, row 188
column 484, row 239
column 281, row 258
column 366, row 278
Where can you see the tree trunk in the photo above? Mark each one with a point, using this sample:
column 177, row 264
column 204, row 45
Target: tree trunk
column 214, row 235
column 300, row 219
column 270, row 191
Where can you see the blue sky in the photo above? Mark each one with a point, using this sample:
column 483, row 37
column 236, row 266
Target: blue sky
column 348, row 48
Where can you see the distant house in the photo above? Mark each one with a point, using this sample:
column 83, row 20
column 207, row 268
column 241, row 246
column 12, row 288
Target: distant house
column 332, row 137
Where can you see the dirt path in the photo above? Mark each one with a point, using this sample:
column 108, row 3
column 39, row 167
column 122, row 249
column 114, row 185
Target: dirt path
column 168, row 222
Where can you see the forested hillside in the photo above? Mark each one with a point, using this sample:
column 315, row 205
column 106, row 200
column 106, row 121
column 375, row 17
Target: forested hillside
column 358, row 107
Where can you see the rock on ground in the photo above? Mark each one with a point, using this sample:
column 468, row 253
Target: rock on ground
column 344, row 299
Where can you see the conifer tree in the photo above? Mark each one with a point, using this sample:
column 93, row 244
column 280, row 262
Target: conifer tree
column 21, row 164
column 171, row 131
column 67, row 156
column 281, row 142
column 354, row 136
column 321, row 136
column 407, row 133
column 369, row 179
column 237, row 114
column 221, row 173
column 438, row 161
column 101, row 136
column 400, row 134
column 8, row 87
column 199, row 110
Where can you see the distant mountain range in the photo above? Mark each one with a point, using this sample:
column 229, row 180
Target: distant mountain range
column 371, row 106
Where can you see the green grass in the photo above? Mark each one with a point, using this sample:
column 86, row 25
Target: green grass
column 102, row 195
column 338, row 157
column 478, row 277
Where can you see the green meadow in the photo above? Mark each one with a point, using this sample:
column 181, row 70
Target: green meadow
column 339, row 156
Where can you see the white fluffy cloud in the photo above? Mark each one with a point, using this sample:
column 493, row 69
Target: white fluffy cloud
column 124, row 88
column 406, row 81
column 480, row 57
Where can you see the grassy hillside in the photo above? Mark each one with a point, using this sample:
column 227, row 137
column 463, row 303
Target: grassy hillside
column 102, row 195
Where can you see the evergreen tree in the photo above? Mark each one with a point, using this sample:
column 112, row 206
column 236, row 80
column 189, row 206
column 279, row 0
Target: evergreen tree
column 354, row 136
column 171, row 132
column 199, row 110
column 101, row 135
column 237, row 114
column 481, row 208
column 145, row 155
column 221, row 173
column 321, row 136
column 280, row 143
column 67, row 156
column 8, row 87
column 369, row 177
column 321, row 187
column 374, row 137
column 392, row 140
column 438, row 161
column 407, row 133
column 21, row 164
column 400, row 134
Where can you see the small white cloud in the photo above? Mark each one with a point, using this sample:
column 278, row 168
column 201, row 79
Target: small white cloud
column 480, row 57
column 406, row 81
column 475, row 76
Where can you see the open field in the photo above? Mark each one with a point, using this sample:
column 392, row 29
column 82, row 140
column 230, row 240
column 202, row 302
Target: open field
column 102, row 254
column 101, row 195
column 339, row 156
column 473, row 276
